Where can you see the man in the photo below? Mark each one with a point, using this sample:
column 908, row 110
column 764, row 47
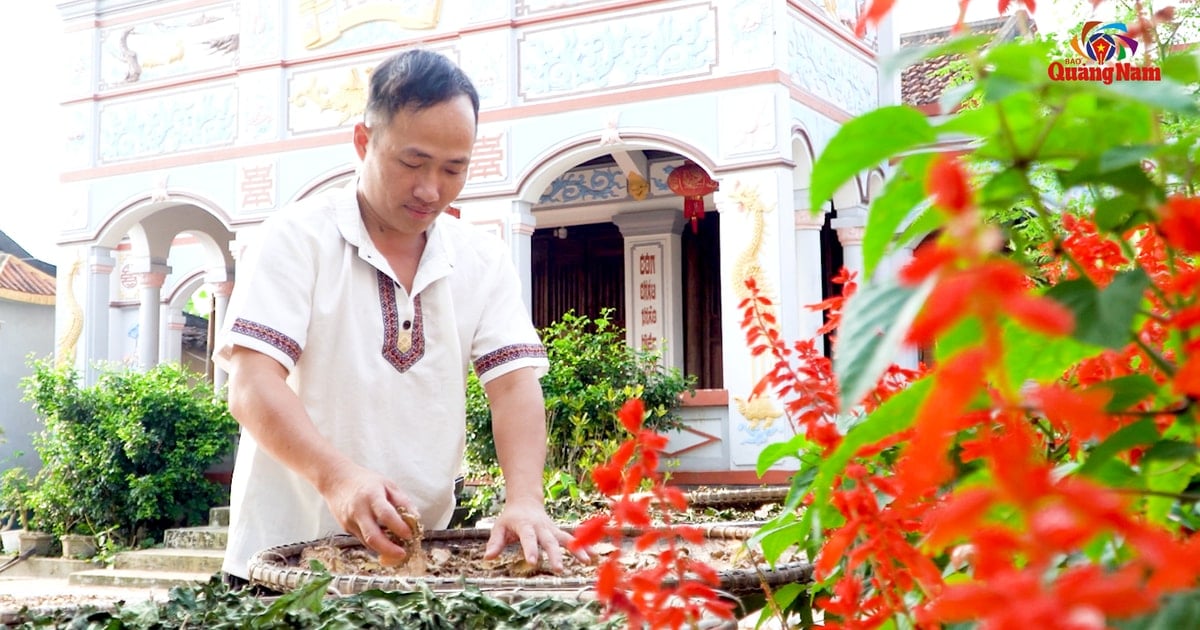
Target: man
column 351, row 330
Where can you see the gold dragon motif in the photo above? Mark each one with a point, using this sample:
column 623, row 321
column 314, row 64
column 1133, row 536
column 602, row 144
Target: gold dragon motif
column 760, row 410
column 70, row 336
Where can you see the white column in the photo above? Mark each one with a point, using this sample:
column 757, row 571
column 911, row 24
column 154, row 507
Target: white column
column 95, row 318
column 171, row 338
column 521, row 226
column 653, row 281
column 808, row 264
column 150, row 282
column 220, row 292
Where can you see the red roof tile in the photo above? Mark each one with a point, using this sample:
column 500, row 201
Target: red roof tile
column 22, row 282
column 922, row 84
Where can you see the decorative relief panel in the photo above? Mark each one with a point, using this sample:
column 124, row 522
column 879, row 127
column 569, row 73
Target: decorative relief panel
column 529, row 7
column 617, row 52
column 605, row 184
column 260, row 35
column 78, row 63
column 328, row 98
column 332, row 25
column 258, row 106
column 749, row 26
column 748, row 122
column 183, row 121
column 77, row 135
column 846, row 12
column 485, row 58
column 489, row 159
column 169, row 47
column 334, row 96
column 824, row 68
column 257, row 181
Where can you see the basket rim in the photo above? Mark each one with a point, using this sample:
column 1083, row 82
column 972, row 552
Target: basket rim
column 265, row 569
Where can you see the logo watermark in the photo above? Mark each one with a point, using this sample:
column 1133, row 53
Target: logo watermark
column 1105, row 53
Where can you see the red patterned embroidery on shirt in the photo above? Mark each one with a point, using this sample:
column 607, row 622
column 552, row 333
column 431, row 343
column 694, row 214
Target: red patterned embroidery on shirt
column 516, row 351
column 276, row 339
column 402, row 361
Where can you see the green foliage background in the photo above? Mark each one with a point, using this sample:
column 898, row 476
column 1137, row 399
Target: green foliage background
column 127, row 455
column 593, row 371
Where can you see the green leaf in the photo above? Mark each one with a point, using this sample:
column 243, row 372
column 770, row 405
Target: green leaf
column 1141, row 433
column 1030, row 355
column 1162, row 95
column 1178, row 610
column 1182, row 68
column 1004, row 188
column 921, row 227
column 890, row 209
column 775, row 451
column 874, row 323
column 1117, row 214
column 1167, row 478
column 1104, row 318
column 1128, row 391
column 1171, row 450
column 864, row 142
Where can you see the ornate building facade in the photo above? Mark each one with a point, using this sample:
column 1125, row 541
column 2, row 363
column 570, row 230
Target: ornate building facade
column 190, row 121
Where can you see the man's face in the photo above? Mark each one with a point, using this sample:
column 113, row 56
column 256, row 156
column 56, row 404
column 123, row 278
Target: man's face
column 415, row 166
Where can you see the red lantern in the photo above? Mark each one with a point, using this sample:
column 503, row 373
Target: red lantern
column 691, row 182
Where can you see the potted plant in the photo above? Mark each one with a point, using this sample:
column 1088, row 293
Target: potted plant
column 14, row 506
column 78, row 546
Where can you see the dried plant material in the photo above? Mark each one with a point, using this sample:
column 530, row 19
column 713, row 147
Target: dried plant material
column 414, row 562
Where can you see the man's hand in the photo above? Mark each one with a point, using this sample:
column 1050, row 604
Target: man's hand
column 367, row 505
column 529, row 524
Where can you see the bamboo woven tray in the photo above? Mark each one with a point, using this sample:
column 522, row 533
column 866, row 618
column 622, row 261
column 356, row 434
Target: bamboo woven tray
column 280, row 568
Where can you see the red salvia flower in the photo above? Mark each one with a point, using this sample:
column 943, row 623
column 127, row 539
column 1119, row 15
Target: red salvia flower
column 1180, row 223
column 949, row 185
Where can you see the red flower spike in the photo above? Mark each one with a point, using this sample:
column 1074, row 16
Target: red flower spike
column 949, row 185
column 589, row 532
column 607, row 479
column 1180, row 223
column 632, row 414
column 1187, row 379
column 607, row 577
column 873, row 15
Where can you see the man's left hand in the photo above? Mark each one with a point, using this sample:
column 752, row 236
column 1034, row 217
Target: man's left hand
column 532, row 527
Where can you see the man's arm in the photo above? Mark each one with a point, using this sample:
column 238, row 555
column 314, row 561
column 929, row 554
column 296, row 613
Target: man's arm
column 361, row 500
column 519, row 429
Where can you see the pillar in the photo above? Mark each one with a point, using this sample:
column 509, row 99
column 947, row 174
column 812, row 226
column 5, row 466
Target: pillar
column 220, row 292
column 521, row 227
column 808, row 264
column 151, row 274
column 171, row 336
column 96, row 307
column 653, row 281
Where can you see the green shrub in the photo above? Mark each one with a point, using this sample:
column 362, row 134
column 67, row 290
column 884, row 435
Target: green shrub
column 593, row 371
column 125, row 456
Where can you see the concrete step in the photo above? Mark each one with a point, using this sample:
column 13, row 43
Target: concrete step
column 171, row 560
column 206, row 537
column 133, row 578
column 219, row 516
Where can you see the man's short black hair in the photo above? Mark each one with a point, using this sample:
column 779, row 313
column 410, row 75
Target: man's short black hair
column 418, row 79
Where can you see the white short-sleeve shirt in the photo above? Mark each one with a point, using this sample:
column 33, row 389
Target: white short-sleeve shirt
column 382, row 373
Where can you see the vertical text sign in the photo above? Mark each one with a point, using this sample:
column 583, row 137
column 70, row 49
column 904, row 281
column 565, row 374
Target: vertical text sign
column 647, row 316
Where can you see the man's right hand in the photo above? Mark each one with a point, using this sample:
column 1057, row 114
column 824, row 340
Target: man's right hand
column 368, row 506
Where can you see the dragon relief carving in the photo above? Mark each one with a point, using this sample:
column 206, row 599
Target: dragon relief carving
column 760, row 410
column 70, row 336
column 348, row 100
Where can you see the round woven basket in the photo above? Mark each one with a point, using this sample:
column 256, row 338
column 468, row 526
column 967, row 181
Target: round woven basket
column 737, row 497
column 279, row 568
